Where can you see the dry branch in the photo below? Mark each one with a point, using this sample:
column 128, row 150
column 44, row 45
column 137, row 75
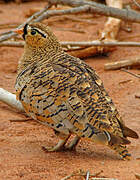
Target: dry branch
column 136, row 3
column 112, row 25
column 123, row 14
column 51, row 13
column 33, row 10
column 121, row 64
column 12, row 44
column 10, row 99
column 87, row 175
column 81, row 49
column 100, row 43
column 78, row 43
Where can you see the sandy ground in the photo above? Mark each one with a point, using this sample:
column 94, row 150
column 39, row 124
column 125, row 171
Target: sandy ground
column 21, row 156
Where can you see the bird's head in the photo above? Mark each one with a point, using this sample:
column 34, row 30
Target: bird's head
column 38, row 35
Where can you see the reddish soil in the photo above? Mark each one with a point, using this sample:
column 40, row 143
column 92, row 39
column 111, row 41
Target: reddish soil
column 21, row 156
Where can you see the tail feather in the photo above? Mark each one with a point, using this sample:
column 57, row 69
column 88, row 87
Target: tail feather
column 118, row 140
column 127, row 132
column 102, row 137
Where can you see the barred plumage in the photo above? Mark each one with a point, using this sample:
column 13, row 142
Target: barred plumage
column 63, row 92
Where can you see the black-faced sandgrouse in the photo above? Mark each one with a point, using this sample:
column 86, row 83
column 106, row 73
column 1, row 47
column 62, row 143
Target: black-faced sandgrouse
column 64, row 93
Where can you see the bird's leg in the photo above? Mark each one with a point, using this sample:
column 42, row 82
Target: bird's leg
column 11, row 100
column 60, row 145
column 122, row 151
column 73, row 143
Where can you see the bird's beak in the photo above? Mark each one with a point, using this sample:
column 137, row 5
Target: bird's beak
column 18, row 31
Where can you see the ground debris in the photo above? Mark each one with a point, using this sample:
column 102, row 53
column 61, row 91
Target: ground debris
column 137, row 96
column 137, row 176
column 82, row 173
column 87, row 176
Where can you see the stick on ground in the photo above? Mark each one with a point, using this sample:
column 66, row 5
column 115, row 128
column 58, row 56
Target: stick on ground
column 121, row 64
column 10, row 99
column 78, row 43
column 135, row 75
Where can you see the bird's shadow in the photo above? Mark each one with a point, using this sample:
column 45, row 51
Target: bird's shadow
column 87, row 154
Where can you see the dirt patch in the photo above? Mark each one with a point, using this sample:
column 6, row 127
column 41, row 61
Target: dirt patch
column 21, row 156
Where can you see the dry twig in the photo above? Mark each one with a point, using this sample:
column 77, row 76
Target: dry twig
column 101, row 43
column 135, row 75
column 136, row 3
column 51, row 13
column 21, row 120
column 12, row 44
column 87, row 175
column 78, row 43
column 121, row 64
column 123, row 14
column 10, row 99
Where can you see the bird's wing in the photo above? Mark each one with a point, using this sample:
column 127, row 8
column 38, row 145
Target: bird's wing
column 115, row 118
column 86, row 100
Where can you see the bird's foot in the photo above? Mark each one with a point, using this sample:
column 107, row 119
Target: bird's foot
column 52, row 149
column 59, row 146
column 73, row 143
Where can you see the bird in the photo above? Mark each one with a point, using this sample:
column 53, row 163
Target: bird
column 64, row 93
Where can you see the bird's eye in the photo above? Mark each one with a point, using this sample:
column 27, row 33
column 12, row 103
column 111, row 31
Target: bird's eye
column 33, row 32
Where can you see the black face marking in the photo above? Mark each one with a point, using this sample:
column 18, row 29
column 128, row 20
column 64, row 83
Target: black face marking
column 33, row 32
column 43, row 35
column 24, row 31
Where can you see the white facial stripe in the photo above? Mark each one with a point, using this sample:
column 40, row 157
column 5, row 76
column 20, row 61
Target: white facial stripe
column 42, row 32
column 39, row 30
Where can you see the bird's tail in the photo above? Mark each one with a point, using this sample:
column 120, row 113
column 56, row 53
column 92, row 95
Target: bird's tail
column 127, row 132
column 106, row 138
column 122, row 151
column 102, row 137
